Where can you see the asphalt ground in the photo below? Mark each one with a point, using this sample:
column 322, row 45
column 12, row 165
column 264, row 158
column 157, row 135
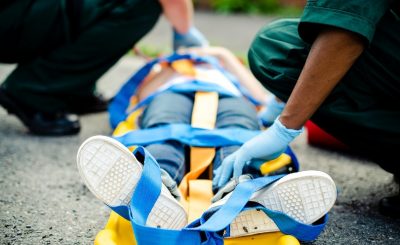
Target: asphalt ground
column 43, row 200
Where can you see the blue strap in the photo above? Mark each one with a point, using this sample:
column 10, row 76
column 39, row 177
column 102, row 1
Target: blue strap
column 188, row 87
column 142, row 199
column 188, row 135
column 145, row 196
column 148, row 190
column 236, row 203
column 288, row 225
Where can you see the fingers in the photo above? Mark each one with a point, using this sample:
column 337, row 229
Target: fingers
column 216, row 176
column 238, row 166
column 226, row 171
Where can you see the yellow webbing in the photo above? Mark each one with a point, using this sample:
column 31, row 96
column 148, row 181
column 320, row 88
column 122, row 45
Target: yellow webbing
column 197, row 195
column 185, row 67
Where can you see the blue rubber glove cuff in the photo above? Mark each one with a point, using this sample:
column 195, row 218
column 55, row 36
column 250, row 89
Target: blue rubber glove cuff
column 272, row 110
column 286, row 133
column 191, row 38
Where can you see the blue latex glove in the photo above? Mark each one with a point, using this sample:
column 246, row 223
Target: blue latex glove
column 268, row 145
column 190, row 39
column 272, row 110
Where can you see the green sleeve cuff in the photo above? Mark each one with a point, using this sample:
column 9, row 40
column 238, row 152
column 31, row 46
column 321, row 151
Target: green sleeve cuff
column 314, row 17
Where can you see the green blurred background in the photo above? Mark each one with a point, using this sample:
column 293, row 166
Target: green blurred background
column 275, row 7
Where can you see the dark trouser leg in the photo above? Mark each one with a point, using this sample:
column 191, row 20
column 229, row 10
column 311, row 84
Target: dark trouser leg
column 362, row 111
column 233, row 112
column 108, row 30
column 169, row 108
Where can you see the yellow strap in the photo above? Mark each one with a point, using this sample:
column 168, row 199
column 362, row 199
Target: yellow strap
column 185, row 67
column 199, row 198
column 197, row 195
column 204, row 114
column 202, row 158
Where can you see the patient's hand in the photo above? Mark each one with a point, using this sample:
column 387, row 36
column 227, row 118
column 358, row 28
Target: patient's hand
column 154, row 82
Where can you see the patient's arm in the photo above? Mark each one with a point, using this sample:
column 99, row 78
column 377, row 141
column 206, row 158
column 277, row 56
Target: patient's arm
column 154, row 81
column 234, row 66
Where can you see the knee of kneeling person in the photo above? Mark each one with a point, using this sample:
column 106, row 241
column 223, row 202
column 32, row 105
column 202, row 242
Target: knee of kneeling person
column 277, row 55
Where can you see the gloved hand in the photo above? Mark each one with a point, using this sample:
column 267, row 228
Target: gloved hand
column 266, row 146
column 190, row 39
column 272, row 110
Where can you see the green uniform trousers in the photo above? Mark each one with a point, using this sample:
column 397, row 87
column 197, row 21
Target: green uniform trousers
column 363, row 111
column 62, row 47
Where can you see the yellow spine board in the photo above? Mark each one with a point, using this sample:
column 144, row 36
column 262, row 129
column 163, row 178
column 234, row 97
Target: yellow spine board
column 197, row 193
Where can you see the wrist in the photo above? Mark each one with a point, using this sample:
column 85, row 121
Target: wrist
column 288, row 121
column 284, row 132
column 181, row 32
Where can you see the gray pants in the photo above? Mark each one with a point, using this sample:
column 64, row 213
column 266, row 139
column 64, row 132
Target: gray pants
column 170, row 107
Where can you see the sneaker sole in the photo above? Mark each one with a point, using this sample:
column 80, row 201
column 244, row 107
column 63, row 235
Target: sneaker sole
column 305, row 196
column 111, row 172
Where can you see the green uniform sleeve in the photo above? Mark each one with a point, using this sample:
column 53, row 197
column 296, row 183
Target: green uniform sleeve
column 358, row 16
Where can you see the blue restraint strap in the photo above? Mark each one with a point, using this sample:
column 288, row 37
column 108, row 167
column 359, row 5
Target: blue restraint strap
column 184, row 88
column 148, row 189
column 145, row 196
column 188, row 135
column 236, row 203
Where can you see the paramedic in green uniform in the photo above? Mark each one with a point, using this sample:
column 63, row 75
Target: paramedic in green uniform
column 62, row 47
column 339, row 65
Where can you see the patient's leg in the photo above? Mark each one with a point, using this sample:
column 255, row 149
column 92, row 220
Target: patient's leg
column 167, row 108
column 233, row 112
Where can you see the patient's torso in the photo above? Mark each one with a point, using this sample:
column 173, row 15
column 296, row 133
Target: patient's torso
column 165, row 77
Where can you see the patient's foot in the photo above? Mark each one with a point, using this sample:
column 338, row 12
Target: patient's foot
column 111, row 173
column 305, row 196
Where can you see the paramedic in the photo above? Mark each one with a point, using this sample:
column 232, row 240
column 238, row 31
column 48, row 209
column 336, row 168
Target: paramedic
column 338, row 66
column 63, row 47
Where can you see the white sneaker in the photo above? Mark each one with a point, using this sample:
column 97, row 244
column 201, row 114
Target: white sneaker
column 305, row 196
column 111, row 173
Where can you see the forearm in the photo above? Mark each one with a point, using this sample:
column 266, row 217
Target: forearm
column 332, row 54
column 179, row 13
